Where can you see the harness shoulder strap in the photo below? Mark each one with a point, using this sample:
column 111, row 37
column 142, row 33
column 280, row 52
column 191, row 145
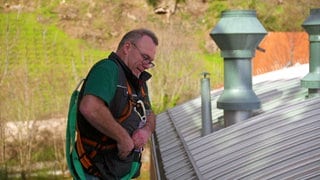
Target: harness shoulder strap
column 73, row 162
column 119, row 106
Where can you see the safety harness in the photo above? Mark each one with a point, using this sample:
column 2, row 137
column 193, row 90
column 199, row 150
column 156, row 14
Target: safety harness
column 80, row 159
column 86, row 158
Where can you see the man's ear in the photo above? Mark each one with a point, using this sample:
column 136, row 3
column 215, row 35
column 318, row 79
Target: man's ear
column 126, row 47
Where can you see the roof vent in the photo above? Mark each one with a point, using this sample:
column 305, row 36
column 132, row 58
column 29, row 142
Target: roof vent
column 238, row 34
column 312, row 80
column 206, row 105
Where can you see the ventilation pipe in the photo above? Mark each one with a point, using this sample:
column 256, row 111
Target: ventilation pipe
column 312, row 80
column 206, row 105
column 238, row 34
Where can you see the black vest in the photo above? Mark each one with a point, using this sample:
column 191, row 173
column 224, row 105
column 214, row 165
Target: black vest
column 119, row 103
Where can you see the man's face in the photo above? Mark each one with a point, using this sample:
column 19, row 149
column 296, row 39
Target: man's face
column 141, row 55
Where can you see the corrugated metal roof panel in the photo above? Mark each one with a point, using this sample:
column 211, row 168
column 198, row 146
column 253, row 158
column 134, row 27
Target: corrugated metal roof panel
column 172, row 151
column 282, row 139
column 256, row 147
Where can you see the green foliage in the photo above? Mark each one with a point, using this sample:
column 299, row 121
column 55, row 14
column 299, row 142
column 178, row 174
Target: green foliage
column 179, row 78
column 40, row 65
column 3, row 172
column 277, row 15
column 44, row 153
column 46, row 9
column 213, row 12
column 152, row 2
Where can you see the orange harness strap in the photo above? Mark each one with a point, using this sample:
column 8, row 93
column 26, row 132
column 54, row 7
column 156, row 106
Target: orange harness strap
column 128, row 109
column 86, row 158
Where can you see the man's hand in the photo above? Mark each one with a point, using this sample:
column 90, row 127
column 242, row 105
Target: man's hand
column 140, row 137
column 125, row 147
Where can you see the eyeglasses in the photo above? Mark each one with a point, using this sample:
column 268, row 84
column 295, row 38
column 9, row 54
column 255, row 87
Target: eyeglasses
column 146, row 58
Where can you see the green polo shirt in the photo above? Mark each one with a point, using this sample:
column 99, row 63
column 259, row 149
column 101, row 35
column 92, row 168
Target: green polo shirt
column 102, row 80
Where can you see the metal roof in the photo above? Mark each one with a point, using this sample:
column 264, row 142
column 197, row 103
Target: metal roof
column 281, row 141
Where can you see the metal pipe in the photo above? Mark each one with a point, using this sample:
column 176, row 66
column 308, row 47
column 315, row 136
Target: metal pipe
column 235, row 116
column 206, row 105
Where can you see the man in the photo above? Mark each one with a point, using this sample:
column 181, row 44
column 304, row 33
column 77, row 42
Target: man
column 114, row 118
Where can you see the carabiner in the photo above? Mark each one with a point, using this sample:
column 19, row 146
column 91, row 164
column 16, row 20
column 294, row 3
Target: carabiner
column 143, row 117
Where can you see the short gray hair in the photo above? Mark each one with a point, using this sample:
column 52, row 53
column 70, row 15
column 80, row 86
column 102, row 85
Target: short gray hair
column 137, row 34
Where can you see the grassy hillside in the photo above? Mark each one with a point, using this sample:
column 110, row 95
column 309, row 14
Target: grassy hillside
column 40, row 65
column 50, row 46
